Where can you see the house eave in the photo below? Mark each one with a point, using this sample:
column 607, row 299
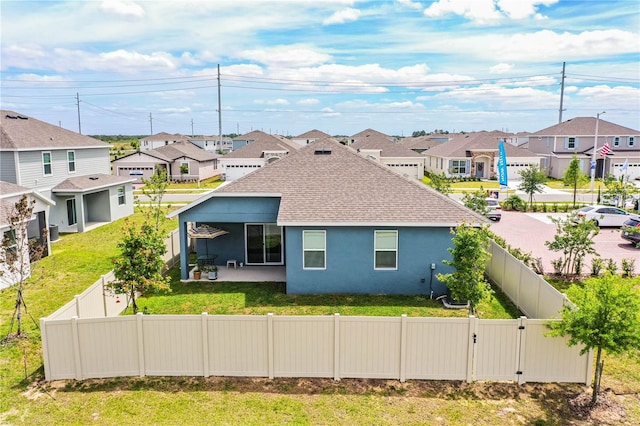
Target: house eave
column 215, row 194
column 378, row 224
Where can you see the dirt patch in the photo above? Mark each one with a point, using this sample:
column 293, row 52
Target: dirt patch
column 608, row 410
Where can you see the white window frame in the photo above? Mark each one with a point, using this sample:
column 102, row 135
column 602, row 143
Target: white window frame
column 122, row 196
column 631, row 141
column 45, row 164
column 376, row 249
column 71, row 162
column 314, row 249
column 616, row 141
column 570, row 140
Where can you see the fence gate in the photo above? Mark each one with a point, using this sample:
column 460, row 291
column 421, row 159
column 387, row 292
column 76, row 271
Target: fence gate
column 498, row 349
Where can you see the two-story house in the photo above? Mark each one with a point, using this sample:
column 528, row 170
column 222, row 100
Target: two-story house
column 559, row 143
column 68, row 168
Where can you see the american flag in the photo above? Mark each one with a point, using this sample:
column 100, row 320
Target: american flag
column 605, row 149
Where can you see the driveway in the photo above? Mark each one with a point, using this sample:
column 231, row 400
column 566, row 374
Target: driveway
column 529, row 231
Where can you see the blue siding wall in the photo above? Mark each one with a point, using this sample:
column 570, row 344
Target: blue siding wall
column 350, row 262
column 230, row 214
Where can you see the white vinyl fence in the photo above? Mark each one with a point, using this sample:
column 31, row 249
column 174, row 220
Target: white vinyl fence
column 86, row 339
column 311, row 346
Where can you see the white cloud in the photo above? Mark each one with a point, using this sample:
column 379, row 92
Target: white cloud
column 410, row 4
column 328, row 112
column 343, row 16
column 501, row 68
column 286, row 56
column 271, row 102
column 485, row 11
column 127, row 9
column 308, row 102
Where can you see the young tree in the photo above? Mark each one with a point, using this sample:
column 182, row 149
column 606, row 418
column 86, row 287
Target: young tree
column 440, row 183
column 476, row 201
column 138, row 269
column 470, row 254
column 574, row 239
column 184, row 169
column 532, row 181
column 17, row 254
column 608, row 319
column 574, row 177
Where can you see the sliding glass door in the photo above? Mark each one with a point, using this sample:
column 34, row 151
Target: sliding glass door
column 264, row 244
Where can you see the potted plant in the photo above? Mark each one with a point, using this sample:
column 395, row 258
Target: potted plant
column 211, row 271
column 197, row 273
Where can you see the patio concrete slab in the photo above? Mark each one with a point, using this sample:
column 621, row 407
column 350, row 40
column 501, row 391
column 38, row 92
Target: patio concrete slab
column 247, row 274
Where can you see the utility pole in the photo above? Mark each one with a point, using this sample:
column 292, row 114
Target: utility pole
column 192, row 127
column 78, row 104
column 219, row 111
column 561, row 94
column 151, row 123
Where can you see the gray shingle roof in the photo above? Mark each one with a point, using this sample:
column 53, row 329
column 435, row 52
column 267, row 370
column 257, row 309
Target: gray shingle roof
column 586, row 126
column 20, row 132
column 387, row 148
column 459, row 144
column 262, row 142
column 313, row 134
column 184, row 148
column 90, row 182
column 343, row 188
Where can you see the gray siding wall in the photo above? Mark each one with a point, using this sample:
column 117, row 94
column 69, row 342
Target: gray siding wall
column 88, row 161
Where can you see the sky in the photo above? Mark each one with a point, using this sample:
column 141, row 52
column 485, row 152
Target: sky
column 340, row 66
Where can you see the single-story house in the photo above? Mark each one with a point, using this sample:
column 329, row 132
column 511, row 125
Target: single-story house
column 383, row 148
column 181, row 160
column 36, row 228
column 257, row 150
column 476, row 155
column 420, row 144
column 337, row 221
column 558, row 144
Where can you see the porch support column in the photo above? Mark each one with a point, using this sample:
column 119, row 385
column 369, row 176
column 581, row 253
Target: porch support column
column 80, row 217
column 184, row 250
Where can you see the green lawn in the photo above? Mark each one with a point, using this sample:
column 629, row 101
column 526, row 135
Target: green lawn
column 79, row 259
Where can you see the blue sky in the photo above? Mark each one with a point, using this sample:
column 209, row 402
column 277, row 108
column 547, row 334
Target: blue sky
column 340, row 66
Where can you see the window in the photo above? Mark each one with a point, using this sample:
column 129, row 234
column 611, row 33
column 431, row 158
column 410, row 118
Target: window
column 314, row 247
column 631, row 141
column 121, row 196
column 11, row 246
column 616, row 141
column 46, row 163
column 572, row 143
column 71, row 161
column 386, row 249
column 458, row 166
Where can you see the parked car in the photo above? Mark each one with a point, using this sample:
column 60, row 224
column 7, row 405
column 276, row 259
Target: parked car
column 628, row 234
column 605, row 215
column 494, row 210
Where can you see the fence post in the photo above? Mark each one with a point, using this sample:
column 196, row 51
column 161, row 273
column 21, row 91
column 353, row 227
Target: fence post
column 104, row 296
column 522, row 338
column 336, row 347
column 205, row 345
column 76, row 347
column 141, row 366
column 471, row 352
column 270, row 343
column 45, row 349
column 403, row 347
column 76, row 299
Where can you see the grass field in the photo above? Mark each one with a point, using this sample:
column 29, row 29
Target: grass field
column 79, row 259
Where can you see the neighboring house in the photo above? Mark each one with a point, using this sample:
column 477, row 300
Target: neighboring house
column 258, row 150
column 37, row 228
column 476, row 155
column 212, row 143
column 420, row 144
column 557, row 145
column 337, row 221
column 181, row 160
column 309, row 137
column 381, row 147
column 68, row 168
column 160, row 139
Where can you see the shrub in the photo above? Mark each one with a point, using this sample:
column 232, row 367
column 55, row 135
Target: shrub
column 558, row 265
column 628, row 267
column 612, row 266
column 597, row 263
column 578, row 265
column 514, row 202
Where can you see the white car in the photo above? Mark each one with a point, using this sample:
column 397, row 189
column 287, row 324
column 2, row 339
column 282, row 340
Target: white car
column 605, row 215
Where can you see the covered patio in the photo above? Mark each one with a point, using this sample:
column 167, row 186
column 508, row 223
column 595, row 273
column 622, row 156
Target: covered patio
column 245, row 273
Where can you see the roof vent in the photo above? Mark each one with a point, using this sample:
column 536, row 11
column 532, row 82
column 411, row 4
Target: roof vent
column 322, row 151
column 93, row 177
